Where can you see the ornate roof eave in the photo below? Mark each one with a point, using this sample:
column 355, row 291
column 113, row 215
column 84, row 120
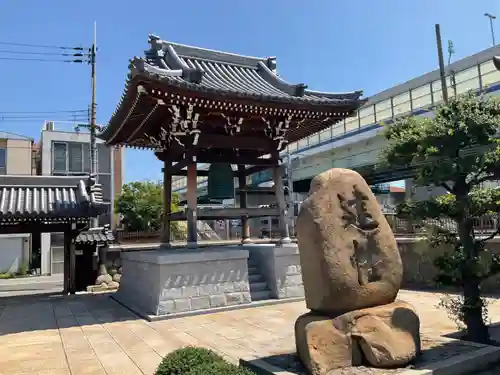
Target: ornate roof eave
column 142, row 70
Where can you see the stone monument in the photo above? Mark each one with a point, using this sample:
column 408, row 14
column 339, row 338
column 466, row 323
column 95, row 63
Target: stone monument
column 352, row 272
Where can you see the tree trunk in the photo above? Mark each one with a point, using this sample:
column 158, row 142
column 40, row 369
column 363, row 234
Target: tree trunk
column 477, row 331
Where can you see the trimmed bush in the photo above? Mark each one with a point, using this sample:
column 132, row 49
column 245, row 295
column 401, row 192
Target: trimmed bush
column 181, row 361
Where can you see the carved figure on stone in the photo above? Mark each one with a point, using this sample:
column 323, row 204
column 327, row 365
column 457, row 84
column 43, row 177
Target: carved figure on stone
column 349, row 257
column 352, row 272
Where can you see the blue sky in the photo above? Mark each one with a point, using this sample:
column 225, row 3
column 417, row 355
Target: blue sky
column 329, row 45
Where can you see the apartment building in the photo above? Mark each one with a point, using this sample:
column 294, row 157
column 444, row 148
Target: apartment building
column 17, row 155
column 65, row 152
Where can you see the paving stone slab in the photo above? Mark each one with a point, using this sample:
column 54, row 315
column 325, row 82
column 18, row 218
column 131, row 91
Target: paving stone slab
column 440, row 356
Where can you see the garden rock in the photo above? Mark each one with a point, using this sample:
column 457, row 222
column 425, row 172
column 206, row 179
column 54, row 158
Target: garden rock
column 384, row 336
column 348, row 254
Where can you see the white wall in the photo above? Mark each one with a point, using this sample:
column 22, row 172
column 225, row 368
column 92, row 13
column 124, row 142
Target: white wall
column 12, row 251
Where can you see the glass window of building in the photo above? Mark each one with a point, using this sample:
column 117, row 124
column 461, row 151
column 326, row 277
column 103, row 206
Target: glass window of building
column 75, row 158
column 104, row 157
column 437, row 93
column 352, row 123
column 313, row 139
column 302, row 143
column 338, row 128
column 367, row 115
column 325, row 134
column 451, row 88
column 401, row 104
column 467, row 80
column 59, row 158
column 3, row 161
column 421, row 96
column 489, row 74
column 383, row 110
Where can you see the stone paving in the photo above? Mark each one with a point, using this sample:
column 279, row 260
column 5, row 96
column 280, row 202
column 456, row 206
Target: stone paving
column 92, row 334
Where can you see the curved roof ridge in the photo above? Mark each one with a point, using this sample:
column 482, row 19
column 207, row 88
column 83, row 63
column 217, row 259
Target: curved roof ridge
column 184, row 50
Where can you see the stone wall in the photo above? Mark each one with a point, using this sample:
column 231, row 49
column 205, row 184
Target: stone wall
column 176, row 281
column 418, row 262
column 280, row 266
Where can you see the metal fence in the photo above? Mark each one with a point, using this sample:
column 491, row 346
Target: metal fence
column 485, row 225
column 399, row 226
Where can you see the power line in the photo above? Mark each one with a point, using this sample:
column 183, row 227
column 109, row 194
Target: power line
column 44, row 53
column 44, row 112
column 41, row 46
column 35, row 117
column 44, row 60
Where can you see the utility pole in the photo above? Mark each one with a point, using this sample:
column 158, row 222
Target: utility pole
column 491, row 17
column 442, row 73
column 93, row 125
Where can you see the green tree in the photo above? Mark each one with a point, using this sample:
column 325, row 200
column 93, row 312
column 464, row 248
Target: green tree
column 456, row 150
column 141, row 205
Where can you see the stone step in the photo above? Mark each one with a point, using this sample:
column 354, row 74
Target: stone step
column 255, row 278
column 261, row 295
column 258, row 286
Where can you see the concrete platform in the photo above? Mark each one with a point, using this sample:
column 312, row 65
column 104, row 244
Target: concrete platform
column 183, row 281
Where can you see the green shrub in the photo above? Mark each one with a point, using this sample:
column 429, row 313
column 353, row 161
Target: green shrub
column 181, row 361
column 23, row 269
column 5, row 275
column 218, row 368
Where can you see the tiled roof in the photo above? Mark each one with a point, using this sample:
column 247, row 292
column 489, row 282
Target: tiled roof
column 221, row 72
column 49, row 198
column 98, row 236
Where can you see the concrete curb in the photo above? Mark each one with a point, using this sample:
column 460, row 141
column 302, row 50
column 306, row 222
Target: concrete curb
column 261, row 367
column 154, row 318
column 463, row 364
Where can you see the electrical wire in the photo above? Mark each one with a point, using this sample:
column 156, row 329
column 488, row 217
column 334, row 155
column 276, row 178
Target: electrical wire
column 45, row 60
column 34, row 117
column 43, row 112
column 40, row 46
column 44, row 53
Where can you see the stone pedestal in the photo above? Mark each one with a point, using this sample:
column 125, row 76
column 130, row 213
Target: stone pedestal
column 280, row 266
column 384, row 336
column 163, row 282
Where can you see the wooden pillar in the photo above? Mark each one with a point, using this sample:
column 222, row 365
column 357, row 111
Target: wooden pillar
column 66, row 281
column 167, row 203
column 242, row 184
column 69, row 261
column 192, row 235
column 280, row 197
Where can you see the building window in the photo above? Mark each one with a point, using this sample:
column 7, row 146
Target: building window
column 104, row 157
column 302, row 143
column 383, row 110
column 338, row 128
column 352, row 123
column 60, row 158
column 367, row 115
column 421, row 96
column 71, row 158
column 3, row 161
column 313, row 139
column 437, row 92
column 467, row 80
column 325, row 135
column 489, row 74
column 401, row 104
